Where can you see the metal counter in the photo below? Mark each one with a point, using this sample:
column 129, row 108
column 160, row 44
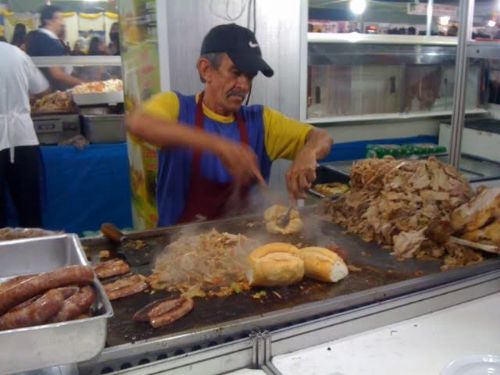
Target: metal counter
column 232, row 327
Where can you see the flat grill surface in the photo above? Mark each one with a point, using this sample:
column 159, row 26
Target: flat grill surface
column 379, row 268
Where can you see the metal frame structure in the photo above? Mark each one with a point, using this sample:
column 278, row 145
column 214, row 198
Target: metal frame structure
column 466, row 10
column 70, row 61
column 258, row 349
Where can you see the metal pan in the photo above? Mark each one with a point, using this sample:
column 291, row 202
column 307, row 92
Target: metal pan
column 48, row 345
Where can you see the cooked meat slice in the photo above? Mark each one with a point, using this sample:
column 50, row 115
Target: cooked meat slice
column 125, row 287
column 113, row 267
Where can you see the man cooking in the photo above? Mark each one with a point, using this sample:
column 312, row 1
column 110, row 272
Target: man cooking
column 214, row 148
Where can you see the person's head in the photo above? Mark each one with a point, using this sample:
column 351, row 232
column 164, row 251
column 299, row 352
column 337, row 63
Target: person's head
column 19, row 35
column 230, row 58
column 52, row 18
column 114, row 33
column 62, row 32
column 452, row 30
column 97, row 46
column 77, row 48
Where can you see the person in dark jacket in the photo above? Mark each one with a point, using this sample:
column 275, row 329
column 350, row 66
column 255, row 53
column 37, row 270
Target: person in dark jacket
column 45, row 42
column 19, row 36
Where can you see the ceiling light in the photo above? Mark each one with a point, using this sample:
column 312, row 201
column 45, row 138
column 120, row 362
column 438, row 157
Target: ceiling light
column 357, row 7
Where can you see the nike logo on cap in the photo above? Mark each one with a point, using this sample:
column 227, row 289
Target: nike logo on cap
column 252, row 44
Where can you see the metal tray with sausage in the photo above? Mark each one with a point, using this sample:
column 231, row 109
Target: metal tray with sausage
column 37, row 276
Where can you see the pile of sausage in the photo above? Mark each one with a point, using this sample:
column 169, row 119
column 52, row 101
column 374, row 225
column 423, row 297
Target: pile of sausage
column 158, row 313
column 125, row 286
column 60, row 295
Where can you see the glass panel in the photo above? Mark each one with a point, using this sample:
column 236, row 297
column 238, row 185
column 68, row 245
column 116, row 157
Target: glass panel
column 346, row 79
column 480, row 159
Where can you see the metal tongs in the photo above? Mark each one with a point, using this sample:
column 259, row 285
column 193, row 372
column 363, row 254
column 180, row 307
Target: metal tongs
column 284, row 220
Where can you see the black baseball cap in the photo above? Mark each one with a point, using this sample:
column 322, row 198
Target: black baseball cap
column 240, row 45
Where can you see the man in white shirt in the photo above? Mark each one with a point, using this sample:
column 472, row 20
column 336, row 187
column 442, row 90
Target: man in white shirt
column 19, row 146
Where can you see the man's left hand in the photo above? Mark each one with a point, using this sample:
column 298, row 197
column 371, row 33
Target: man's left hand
column 302, row 173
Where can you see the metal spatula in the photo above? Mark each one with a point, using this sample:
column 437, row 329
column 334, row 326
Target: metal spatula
column 126, row 247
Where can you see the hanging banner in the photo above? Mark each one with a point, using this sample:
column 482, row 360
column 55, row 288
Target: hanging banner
column 11, row 19
column 438, row 10
column 90, row 22
column 141, row 78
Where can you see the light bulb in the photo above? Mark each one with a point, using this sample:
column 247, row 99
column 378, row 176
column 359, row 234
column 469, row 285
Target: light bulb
column 357, row 7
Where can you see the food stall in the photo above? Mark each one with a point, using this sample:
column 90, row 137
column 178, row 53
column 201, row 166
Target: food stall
column 232, row 325
column 83, row 130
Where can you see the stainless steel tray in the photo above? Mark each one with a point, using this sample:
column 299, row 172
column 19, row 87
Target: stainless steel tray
column 113, row 97
column 54, row 344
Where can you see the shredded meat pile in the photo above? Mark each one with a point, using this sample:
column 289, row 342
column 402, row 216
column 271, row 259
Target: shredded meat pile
column 405, row 205
column 7, row 233
column 58, row 101
column 210, row 263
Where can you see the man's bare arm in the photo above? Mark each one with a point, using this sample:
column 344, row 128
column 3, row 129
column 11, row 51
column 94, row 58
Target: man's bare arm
column 60, row 75
column 240, row 160
column 302, row 172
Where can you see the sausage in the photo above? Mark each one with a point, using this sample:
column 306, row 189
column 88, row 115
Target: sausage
column 66, row 291
column 76, row 305
column 185, row 306
column 38, row 284
column 38, row 312
column 128, row 290
column 166, row 306
column 14, row 281
column 142, row 314
column 122, row 283
column 111, row 268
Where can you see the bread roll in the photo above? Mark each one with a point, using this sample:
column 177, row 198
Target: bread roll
column 322, row 264
column 275, row 264
column 273, row 215
column 478, row 212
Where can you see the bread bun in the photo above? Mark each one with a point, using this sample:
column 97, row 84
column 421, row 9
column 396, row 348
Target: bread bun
column 323, row 264
column 274, row 213
column 275, row 264
column 478, row 212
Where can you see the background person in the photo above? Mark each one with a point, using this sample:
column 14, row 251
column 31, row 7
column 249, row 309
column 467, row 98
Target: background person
column 19, row 36
column 19, row 146
column 45, row 42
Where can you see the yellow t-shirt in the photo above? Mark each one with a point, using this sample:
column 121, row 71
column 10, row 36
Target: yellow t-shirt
column 284, row 137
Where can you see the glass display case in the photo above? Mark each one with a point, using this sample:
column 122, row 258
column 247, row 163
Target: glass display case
column 93, row 109
column 353, row 77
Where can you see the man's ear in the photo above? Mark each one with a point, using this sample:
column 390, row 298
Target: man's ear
column 204, row 69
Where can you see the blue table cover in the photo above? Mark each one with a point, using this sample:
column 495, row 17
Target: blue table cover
column 84, row 188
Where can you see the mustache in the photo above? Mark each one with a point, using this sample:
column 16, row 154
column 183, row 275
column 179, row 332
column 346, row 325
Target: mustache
column 239, row 93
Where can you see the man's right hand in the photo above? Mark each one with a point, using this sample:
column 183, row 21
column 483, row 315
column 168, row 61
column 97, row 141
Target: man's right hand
column 240, row 161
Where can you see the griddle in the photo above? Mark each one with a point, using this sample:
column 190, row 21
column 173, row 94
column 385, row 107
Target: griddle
column 382, row 277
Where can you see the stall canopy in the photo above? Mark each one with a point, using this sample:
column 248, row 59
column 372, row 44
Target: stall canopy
column 67, row 5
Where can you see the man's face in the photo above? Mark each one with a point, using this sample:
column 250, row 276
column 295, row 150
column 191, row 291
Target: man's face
column 57, row 23
column 227, row 86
